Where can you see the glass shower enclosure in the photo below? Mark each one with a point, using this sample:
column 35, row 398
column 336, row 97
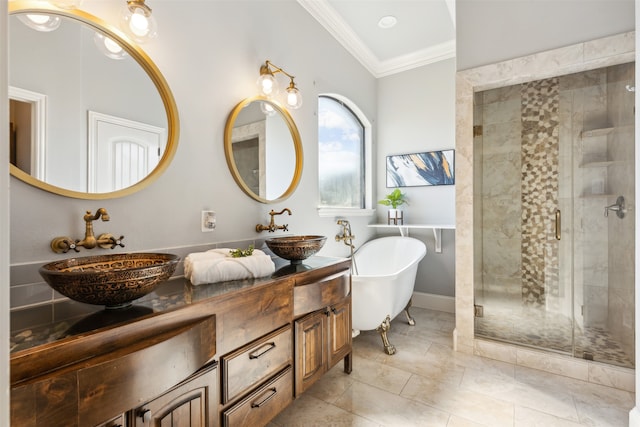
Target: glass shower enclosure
column 555, row 181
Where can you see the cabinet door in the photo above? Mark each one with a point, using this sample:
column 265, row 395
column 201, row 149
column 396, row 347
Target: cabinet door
column 310, row 353
column 190, row 404
column 339, row 331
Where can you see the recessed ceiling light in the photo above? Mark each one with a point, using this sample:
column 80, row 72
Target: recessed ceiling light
column 387, row 21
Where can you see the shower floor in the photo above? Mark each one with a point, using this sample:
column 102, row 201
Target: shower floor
column 508, row 320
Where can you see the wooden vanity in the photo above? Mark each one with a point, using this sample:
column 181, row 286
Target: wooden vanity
column 225, row 354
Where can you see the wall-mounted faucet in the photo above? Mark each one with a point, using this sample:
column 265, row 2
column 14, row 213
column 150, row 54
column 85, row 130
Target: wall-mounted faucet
column 106, row 241
column 272, row 225
column 618, row 207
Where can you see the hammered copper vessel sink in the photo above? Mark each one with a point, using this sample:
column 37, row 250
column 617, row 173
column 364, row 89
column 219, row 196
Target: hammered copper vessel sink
column 113, row 280
column 295, row 248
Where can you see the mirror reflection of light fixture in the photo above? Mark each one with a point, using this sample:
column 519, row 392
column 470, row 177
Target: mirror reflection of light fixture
column 40, row 21
column 66, row 4
column 267, row 109
column 268, row 85
column 109, row 47
column 138, row 22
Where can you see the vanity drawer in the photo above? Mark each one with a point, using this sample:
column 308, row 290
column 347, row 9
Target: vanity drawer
column 310, row 297
column 255, row 362
column 261, row 406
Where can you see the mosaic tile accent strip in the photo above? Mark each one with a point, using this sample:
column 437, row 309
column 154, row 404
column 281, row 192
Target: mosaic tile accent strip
column 539, row 186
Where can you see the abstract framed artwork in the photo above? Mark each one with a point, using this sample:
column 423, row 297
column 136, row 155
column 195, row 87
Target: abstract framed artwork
column 420, row 169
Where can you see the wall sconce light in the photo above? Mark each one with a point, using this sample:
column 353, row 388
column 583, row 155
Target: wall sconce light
column 268, row 85
column 138, row 22
column 40, row 21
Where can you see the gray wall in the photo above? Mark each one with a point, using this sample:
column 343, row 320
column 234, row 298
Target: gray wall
column 416, row 113
column 489, row 31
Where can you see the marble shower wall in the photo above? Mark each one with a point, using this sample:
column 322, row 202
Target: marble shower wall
column 621, row 150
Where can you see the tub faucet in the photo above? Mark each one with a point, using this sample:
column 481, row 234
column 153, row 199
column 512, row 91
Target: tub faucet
column 272, row 225
column 64, row 244
column 347, row 238
column 346, row 235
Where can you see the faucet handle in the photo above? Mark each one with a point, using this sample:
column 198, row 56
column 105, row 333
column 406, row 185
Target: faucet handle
column 62, row 245
column 285, row 227
column 117, row 242
column 107, row 241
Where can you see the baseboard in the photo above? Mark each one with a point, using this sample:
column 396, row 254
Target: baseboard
column 634, row 417
column 434, row 302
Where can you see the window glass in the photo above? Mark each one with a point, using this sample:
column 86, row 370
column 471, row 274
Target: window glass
column 341, row 141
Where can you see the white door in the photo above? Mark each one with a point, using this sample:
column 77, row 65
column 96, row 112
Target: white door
column 121, row 152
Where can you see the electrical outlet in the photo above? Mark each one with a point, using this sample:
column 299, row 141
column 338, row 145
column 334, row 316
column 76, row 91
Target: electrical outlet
column 208, row 221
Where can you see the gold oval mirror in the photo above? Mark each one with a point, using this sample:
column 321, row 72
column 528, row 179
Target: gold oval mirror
column 86, row 122
column 263, row 149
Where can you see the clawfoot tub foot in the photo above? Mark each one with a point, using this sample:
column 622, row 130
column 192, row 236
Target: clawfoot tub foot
column 383, row 328
column 410, row 319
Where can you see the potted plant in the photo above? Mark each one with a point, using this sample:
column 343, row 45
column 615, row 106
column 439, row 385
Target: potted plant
column 393, row 200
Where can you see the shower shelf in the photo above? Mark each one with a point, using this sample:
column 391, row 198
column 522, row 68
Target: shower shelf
column 596, row 132
column 596, row 196
column 600, row 164
column 437, row 231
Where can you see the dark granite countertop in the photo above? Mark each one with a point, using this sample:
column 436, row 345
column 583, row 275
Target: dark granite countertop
column 71, row 318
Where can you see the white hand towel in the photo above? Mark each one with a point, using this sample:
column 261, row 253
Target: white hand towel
column 217, row 265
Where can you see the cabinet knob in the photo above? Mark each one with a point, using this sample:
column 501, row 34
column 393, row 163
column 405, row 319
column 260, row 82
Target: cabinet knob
column 145, row 414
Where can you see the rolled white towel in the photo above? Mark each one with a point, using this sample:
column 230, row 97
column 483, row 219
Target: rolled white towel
column 217, row 265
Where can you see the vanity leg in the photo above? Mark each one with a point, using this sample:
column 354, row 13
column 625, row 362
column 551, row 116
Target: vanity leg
column 410, row 319
column 348, row 363
column 383, row 328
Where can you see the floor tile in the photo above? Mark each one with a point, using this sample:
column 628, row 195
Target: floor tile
column 426, row 383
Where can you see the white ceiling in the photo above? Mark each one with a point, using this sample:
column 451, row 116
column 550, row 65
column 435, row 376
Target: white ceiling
column 424, row 33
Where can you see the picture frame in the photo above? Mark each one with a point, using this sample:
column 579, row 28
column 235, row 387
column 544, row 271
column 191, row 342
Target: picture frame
column 421, row 169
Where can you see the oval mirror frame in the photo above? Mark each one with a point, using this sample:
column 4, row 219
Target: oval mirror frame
column 173, row 124
column 297, row 145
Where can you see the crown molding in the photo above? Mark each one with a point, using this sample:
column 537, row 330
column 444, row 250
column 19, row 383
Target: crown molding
column 322, row 12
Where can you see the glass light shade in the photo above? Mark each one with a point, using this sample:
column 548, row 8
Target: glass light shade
column 267, row 84
column 294, row 98
column 109, row 47
column 67, row 4
column 138, row 23
column 40, row 21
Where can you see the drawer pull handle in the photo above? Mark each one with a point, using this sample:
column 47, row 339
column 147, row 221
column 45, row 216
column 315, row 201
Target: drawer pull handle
column 272, row 392
column 262, row 350
column 336, row 312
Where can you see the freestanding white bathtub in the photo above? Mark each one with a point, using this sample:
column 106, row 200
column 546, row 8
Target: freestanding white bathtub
column 382, row 281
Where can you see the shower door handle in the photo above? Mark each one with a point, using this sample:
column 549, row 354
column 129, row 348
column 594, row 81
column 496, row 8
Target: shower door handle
column 558, row 224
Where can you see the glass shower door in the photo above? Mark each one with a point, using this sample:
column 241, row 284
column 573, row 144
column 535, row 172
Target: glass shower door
column 555, row 272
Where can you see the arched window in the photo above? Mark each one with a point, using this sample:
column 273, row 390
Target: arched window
column 344, row 155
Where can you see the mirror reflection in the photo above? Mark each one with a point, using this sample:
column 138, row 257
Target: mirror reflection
column 263, row 150
column 85, row 119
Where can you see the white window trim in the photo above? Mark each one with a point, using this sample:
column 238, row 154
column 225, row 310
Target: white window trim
column 368, row 210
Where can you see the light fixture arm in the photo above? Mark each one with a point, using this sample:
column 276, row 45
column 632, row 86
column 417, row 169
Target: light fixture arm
column 267, row 69
column 139, row 4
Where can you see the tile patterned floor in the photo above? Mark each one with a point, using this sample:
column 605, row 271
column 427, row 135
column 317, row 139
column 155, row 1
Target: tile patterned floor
column 426, row 383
